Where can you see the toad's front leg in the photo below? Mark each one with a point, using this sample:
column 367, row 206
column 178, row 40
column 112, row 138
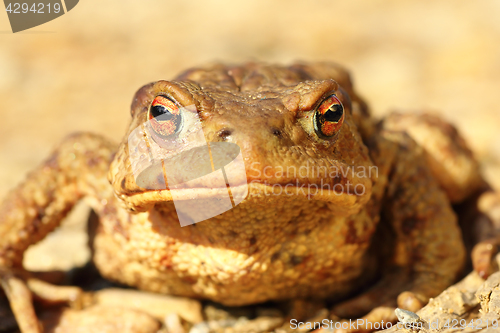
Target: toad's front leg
column 77, row 168
column 428, row 238
column 428, row 252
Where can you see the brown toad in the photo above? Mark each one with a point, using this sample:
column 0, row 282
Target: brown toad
column 334, row 200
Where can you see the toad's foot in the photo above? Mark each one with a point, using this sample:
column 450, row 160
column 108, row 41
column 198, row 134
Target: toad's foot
column 20, row 288
column 383, row 294
column 483, row 253
column 100, row 319
column 20, row 301
column 397, row 289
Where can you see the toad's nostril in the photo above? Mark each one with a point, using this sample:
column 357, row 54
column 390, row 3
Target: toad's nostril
column 224, row 133
column 275, row 131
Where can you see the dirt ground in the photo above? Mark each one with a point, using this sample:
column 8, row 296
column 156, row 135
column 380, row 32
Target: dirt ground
column 80, row 71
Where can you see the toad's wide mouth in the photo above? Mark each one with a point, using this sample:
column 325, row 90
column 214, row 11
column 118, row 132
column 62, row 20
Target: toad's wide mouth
column 220, row 181
column 228, row 197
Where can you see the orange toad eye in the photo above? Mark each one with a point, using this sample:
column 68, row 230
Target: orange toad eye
column 165, row 117
column 328, row 117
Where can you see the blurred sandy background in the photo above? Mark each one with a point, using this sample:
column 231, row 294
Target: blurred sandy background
column 80, row 71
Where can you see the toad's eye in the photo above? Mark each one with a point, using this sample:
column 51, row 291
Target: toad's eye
column 165, row 117
column 328, row 117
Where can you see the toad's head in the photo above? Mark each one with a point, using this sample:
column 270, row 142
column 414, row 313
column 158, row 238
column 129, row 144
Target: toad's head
column 247, row 134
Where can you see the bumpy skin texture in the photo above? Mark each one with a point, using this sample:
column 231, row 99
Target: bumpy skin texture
column 271, row 246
